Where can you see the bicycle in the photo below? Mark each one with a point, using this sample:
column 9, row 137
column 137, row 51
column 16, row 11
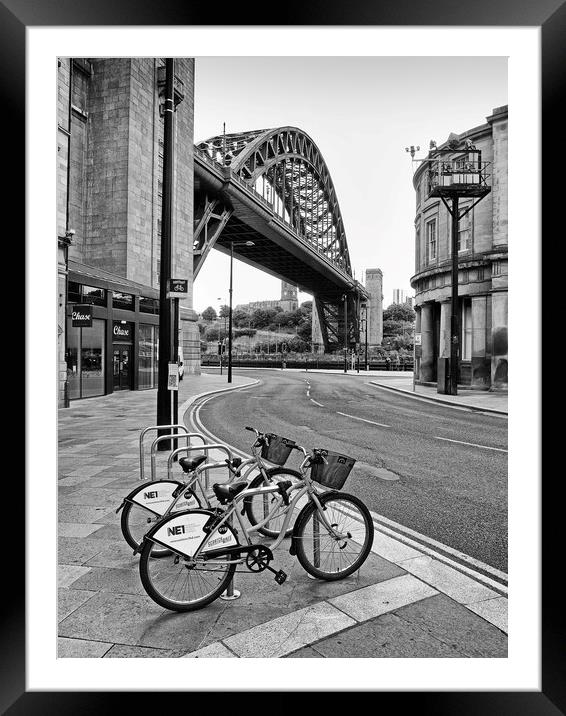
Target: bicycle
column 150, row 502
column 331, row 538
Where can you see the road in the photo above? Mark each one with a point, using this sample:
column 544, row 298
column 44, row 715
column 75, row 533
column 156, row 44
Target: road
column 435, row 469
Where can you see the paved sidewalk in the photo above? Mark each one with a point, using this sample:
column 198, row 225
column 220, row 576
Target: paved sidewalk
column 403, row 602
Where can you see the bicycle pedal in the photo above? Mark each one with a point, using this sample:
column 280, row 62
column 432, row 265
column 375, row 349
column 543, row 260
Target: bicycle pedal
column 280, row 576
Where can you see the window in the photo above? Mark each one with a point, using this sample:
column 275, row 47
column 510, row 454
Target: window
column 418, row 194
column 431, row 240
column 147, row 356
column 77, row 293
column 466, row 329
column 85, row 359
column 94, row 295
column 464, row 231
column 123, row 300
column 417, row 248
column 149, row 305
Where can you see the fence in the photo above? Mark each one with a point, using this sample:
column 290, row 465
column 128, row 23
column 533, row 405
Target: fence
column 310, row 363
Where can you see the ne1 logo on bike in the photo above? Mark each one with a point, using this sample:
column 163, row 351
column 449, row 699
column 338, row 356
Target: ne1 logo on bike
column 150, row 495
column 176, row 530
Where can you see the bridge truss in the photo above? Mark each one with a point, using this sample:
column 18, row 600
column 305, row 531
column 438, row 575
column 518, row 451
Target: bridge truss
column 287, row 176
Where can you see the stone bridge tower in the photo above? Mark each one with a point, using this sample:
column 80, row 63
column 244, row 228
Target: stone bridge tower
column 374, row 286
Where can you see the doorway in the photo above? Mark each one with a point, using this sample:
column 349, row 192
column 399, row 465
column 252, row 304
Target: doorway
column 121, row 362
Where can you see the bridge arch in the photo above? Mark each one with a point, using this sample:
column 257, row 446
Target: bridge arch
column 285, row 166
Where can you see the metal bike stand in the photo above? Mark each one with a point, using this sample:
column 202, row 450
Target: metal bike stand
column 230, row 594
column 316, row 543
column 160, row 438
column 156, row 427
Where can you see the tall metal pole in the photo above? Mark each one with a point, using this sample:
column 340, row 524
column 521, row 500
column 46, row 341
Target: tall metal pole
column 175, row 420
column 345, row 333
column 230, row 316
column 366, row 317
column 454, row 322
column 163, row 394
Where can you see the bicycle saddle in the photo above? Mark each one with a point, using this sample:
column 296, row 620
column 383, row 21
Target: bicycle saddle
column 224, row 493
column 191, row 463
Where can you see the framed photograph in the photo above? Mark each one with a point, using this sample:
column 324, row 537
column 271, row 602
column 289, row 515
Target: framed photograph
column 390, row 118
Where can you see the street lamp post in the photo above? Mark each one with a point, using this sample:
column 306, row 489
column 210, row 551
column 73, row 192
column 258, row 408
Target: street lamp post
column 242, row 243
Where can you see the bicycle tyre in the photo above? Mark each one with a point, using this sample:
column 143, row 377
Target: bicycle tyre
column 349, row 503
column 151, row 584
column 130, row 534
column 252, row 504
column 134, row 529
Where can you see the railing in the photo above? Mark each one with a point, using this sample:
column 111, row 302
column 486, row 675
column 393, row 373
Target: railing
column 449, row 172
column 277, row 361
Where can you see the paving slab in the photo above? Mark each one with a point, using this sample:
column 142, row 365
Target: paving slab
column 73, row 550
column 80, row 648
column 124, row 651
column 288, row 633
column 70, row 599
column 114, row 580
column 383, row 597
column 69, row 573
column 212, row 651
column 76, row 529
column 457, row 626
column 448, row 580
column 492, row 610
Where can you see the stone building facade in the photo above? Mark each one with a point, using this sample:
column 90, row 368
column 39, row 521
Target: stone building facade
column 482, row 258
column 109, row 185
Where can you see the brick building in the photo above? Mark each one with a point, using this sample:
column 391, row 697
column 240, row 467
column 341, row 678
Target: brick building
column 109, row 177
column 482, row 259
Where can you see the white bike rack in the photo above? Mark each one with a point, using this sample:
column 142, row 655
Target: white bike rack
column 157, row 427
column 160, row 438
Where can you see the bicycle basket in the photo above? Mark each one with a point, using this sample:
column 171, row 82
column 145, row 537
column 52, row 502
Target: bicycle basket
column 334, row 472
column 276, row 449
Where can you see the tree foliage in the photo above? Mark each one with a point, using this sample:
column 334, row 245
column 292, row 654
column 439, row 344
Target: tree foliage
column 209, row 314
column 399, row 312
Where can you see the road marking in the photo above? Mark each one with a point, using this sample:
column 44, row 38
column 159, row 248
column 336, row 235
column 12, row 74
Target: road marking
column 461, row 442
column 316, row 403
column 372, row 422
column 400, row 532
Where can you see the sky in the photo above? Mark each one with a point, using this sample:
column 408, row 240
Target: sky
column 362, row 112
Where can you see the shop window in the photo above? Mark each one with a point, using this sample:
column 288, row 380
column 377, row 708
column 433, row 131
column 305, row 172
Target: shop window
column 149, row 305
column 94, row 295
column 74, row 292
column 85, row 360
column 147, row 356
column 125, row 301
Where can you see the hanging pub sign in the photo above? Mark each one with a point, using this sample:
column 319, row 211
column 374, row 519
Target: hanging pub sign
column 82, row 315
column 177, row 288
column 121, row 331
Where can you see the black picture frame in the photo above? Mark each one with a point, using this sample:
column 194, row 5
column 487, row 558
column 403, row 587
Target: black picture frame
column 550, row 16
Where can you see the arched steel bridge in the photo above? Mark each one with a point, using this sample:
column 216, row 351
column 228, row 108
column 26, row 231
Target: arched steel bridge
column 272, row 187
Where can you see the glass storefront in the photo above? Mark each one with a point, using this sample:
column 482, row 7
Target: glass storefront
column 85, row 360
column 147, row 356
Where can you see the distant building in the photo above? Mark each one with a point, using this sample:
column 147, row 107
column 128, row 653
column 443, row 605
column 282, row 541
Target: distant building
column 400, row 295
column 288, row 301
column 482, row 259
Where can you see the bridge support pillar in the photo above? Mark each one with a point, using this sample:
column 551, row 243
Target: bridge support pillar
column 374, row 286
column 317, row 342
column 189, row 340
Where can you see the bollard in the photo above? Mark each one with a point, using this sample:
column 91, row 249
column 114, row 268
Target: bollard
column 230, row 594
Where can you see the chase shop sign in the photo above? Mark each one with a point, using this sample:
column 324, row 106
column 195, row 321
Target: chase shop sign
column 82, row 315
column 121, row 331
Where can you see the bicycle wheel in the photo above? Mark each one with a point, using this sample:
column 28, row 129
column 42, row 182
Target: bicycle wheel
column 257, row 506
column 135, row 522
column 175, row 585
column 322, row 554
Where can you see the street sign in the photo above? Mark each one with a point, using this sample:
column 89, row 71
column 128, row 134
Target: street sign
column 418, row 339
column 82, row 315
column 177, row 288
column 173, row 377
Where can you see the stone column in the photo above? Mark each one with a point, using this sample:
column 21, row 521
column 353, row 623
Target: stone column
column 499, row 340
column 481, row 368
column 374, row 286
column 427, row 367
column 444, row 343
column 316, row 340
